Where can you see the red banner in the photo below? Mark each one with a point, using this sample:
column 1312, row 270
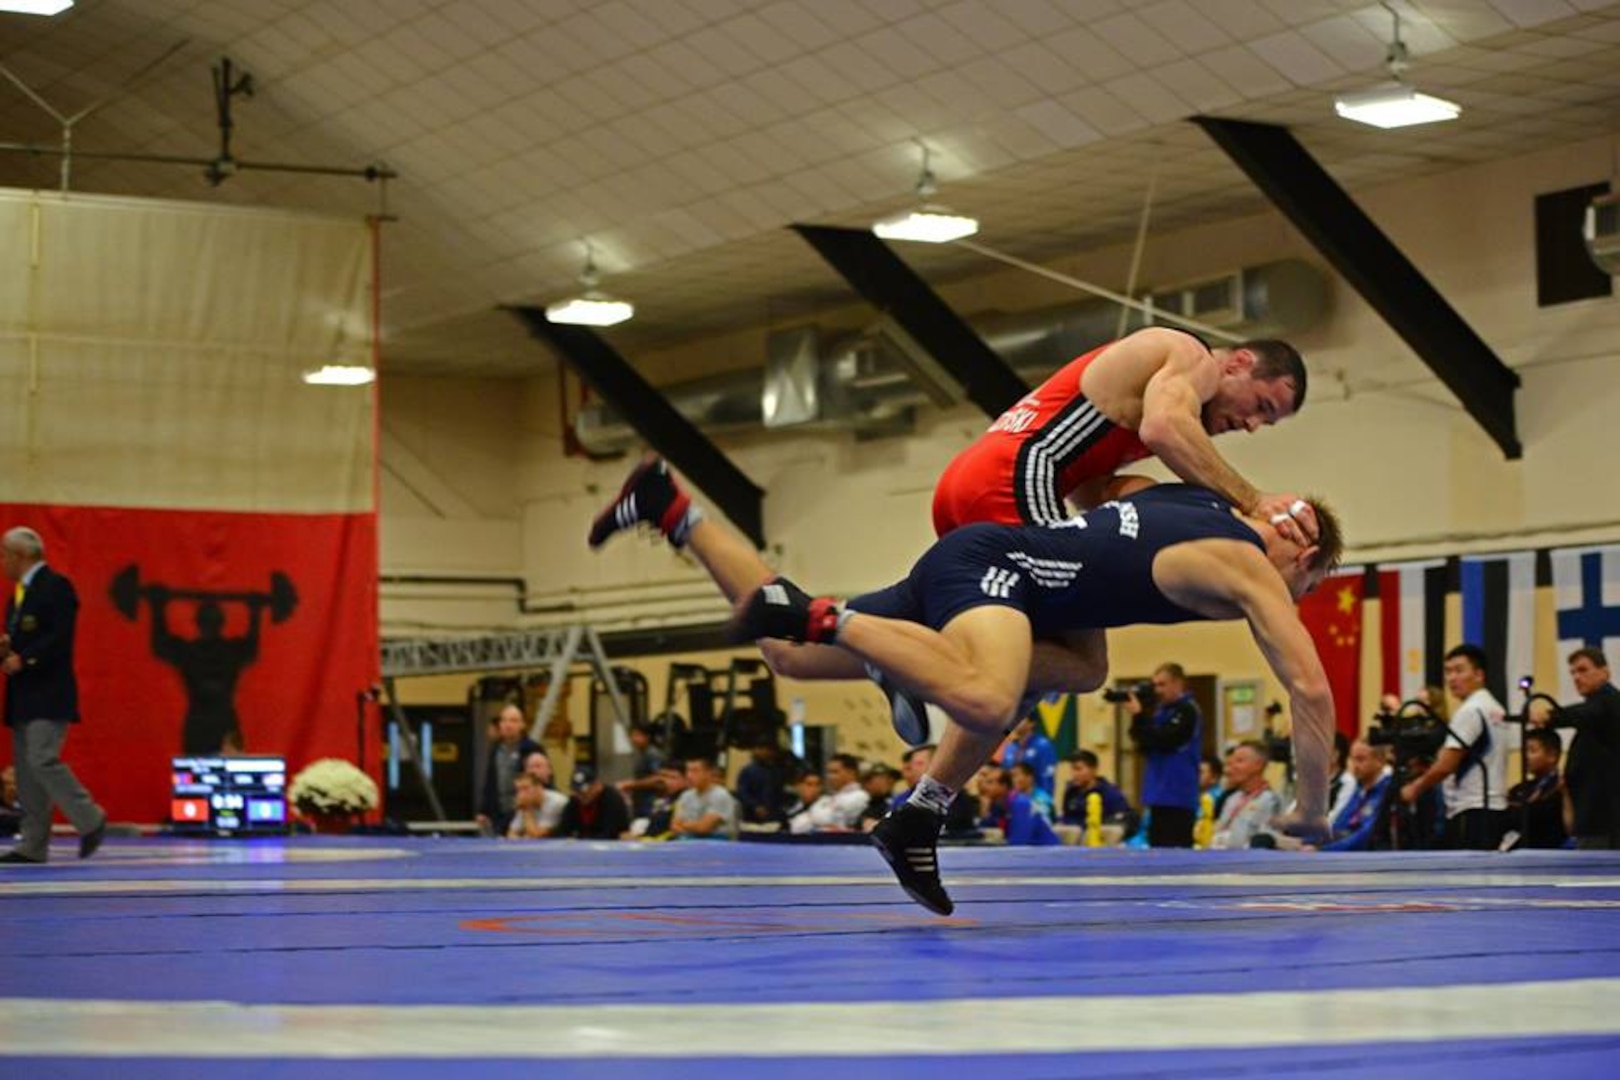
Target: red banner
column 193, row 624
column 1332, row 614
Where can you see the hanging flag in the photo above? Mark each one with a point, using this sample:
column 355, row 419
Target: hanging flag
column 1499, row 615
column 1412, row 624
column 1586, row 582
column 1332, row 614
column 1060, row 720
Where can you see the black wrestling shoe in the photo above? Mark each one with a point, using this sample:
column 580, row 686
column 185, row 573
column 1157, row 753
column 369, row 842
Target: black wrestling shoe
column 908, row 839
column 649, row 496
column 90, row 841
column 780, row 609
column 907, row 711
column 19, row 857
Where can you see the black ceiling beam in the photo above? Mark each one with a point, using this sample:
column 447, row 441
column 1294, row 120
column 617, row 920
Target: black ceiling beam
column 1358, row 249
column 650, row 413
column 888, row 284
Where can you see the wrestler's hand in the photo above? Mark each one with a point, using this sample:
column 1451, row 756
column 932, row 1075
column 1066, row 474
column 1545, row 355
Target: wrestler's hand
column 1292, row 516
column 1312, row 830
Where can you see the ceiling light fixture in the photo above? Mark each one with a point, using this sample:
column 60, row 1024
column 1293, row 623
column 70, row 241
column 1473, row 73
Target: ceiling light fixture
column 594, row 308
column 340, row 375
column 1396, row 105
column 927, row 224
column 35, row 7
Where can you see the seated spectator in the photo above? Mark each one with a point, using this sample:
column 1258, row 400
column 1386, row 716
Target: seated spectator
column 1251, row 804
column 878, row 782
column 644, row 785
column 10, row 808
column 1354, row 825
column 537, row 811
column 1028, row 744
column 671, row 780
column 1023, row 779
column 1211, row 782
column 506, row 757
column 762, row 786
column 538, row 765
column 962, row 819
column 705, row 810
column 596, row 812
column 1342, row 785
column 1084, row 782
column 1536, row 805
column 840, row 809
column 1011, row 811
column 807, row 791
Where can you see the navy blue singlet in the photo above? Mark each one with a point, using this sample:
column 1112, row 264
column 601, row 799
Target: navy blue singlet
column 1093, row 571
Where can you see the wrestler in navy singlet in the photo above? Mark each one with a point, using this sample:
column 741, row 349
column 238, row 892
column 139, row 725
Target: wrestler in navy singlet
column 1094, row 571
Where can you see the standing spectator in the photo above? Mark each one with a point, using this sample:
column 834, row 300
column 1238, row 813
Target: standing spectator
column 644, row 783
column 596, row 812
column 705, row 810
column 1023, row 781
column 506, row 760
column 1084, row 782
column 42, row 698
column 1353, row 827
column 963, row 816
column 1170, row 736
column 762, row 786
column 1592, row 777
column 1536, row 805
column 537, row 811
column 1029, row 745
column 1012, row 811
column 1251, row 804
column 1472, row 769
column 10, row 812
column 878, row 783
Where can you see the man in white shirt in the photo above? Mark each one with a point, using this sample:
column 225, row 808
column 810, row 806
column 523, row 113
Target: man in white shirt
column 539, row 810
column 840, row 809
column 1473, row 765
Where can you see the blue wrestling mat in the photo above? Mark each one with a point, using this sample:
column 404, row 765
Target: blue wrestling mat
column 414, row 958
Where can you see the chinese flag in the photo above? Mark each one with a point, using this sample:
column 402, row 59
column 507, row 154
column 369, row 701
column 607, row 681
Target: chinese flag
column 1332, row 614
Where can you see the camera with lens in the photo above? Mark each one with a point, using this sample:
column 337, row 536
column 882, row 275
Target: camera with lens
column 1413, row 732
column 1142, row 692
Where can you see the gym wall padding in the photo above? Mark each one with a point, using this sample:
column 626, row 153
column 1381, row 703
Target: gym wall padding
column 152, row 414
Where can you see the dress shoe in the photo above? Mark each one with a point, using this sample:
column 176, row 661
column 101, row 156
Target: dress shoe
column 90, row 841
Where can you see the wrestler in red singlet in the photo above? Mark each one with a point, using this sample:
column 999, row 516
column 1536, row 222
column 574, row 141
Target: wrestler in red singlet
column 1019, row 471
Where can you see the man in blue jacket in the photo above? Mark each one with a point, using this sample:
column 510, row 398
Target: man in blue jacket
column 42, row 698
column 1172, row 738
column 1011, row 811
column 1028, row 745
column 1353, row 828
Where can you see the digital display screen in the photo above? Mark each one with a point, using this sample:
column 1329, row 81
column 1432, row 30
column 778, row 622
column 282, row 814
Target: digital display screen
column 229, row 795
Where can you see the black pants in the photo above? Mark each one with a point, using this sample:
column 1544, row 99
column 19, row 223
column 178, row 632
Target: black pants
column 1170, row 826
column 1476, row 830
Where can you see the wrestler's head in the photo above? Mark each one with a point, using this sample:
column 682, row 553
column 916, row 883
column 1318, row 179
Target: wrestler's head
column 1262, row 382
column 1304, row 566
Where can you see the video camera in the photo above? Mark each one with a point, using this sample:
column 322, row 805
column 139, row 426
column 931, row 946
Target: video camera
column 1413, row 731
column 1279, row 748
column 1142, row 692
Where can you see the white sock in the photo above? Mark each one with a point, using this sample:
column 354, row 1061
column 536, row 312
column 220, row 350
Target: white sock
column 682, row 532
column 932, row 795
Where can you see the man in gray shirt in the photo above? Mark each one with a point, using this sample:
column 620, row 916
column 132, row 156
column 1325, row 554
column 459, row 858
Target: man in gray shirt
column 705, row 810
column 1251, row 804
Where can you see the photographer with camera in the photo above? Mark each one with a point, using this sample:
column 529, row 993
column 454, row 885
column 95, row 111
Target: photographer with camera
column 1170, row 737
column 1592, row 774
column 1471, row 766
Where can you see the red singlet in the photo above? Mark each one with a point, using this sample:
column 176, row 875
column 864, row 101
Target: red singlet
column 1019, row 471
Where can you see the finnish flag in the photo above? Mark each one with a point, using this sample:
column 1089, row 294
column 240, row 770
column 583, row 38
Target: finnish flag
column 1586, row 584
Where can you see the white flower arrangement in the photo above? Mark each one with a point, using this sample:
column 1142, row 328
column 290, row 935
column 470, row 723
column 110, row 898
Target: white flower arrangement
column 332, row 786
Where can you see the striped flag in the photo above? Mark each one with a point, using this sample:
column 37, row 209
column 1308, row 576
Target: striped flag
column 1412, row 620
column 1499, row 615
column 1586, row 583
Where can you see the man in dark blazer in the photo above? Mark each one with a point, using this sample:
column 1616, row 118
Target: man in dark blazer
column 42, row 698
